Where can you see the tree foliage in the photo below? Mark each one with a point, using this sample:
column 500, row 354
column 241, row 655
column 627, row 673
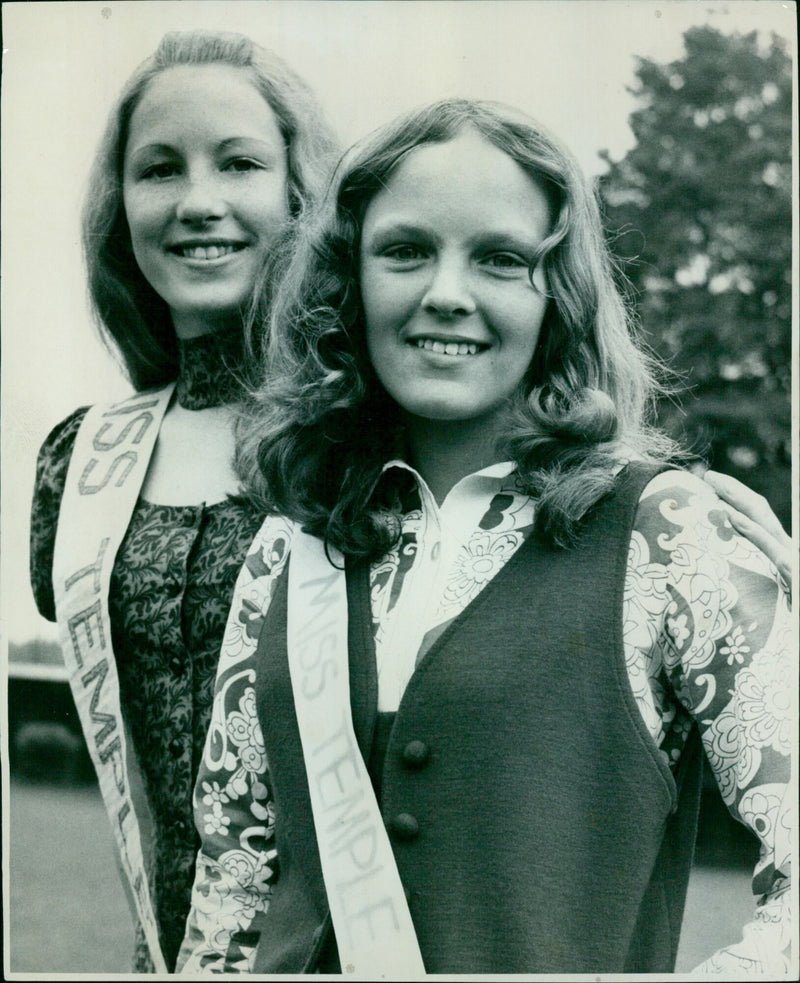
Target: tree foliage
column 699, row 212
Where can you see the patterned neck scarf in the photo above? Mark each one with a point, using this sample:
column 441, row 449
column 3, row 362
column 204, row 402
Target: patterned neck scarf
column 209, row 369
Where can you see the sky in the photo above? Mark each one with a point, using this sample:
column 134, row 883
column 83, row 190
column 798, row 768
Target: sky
column 569, row 63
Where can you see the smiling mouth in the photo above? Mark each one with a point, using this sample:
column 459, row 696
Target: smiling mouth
column 211, row 251
column 448, row 347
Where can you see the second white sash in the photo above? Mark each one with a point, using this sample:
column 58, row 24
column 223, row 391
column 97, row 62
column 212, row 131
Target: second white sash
column 374, row 931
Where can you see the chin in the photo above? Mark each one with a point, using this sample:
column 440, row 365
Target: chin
column 446, row 414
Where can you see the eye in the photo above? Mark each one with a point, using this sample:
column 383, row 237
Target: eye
column 506, row 262
column 404, row 253
column 160, row 171
column 241, row 165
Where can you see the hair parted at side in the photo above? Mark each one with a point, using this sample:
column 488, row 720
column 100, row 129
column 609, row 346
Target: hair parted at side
column 317, row 432
column 133, row 319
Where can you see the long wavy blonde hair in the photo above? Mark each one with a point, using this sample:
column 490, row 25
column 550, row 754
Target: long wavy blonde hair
column 319, row 428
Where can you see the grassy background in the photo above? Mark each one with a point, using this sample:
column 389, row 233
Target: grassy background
column 68, row 911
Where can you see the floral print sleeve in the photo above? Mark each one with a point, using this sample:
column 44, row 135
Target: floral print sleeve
column 237, row 863
column 716, row 619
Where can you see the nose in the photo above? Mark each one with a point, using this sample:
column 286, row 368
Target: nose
column 201, row 201
column 449, row 293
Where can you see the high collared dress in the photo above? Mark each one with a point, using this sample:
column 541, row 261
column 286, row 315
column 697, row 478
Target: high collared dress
column 170, row 591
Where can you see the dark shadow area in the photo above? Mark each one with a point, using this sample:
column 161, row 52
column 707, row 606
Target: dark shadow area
column 722, row 841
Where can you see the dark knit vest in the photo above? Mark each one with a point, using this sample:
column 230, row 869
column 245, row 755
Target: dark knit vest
column 535, row 827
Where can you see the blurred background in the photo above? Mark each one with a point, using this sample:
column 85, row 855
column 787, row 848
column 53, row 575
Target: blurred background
column 681, row 111
column 699, row 211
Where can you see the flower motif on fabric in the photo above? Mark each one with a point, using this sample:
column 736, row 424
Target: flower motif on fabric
column 216, row 822
column 250, row 870
column 244, row 731
column 476, row 564
column 736, row 647
column 233, row 801
column 760, row 811
column 215, row 798
column 757, row 717
column 382, row 575
column 223, row 908
column 712, row 531
column 235, row 748
column 730, row 964
column 764, row 706
column 678, row 630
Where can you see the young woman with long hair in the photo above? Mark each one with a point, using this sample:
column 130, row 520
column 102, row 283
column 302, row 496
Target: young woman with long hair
column 489, row 626
column 213, row 151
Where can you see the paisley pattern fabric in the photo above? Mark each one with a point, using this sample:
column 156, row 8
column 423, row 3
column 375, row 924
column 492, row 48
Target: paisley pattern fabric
column 51, row 475
column 707, row 638
column 170, row 591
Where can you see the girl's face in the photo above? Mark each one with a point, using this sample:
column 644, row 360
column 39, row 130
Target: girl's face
column 205, row 191
column 452, row 318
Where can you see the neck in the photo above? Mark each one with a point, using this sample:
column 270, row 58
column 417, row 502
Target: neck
column 209, row 366
column 188, row 324
column 446, row 451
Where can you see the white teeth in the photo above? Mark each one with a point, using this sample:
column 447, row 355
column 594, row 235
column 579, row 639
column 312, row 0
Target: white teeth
column 447, row 348
column 206, row 252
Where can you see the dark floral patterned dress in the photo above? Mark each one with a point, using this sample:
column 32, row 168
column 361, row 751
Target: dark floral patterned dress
column 170, row 593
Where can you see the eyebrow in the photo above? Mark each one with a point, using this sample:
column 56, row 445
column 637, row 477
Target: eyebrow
column 391, row 227
column 511, row 238
column 167, row 148
column 515, row 238
column 231, row 141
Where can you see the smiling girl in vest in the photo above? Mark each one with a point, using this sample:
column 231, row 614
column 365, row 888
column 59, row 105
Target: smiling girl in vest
column 212, row 152
column 481, row 641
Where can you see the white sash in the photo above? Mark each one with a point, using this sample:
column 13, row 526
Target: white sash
column 374, row 931
column 106, row 471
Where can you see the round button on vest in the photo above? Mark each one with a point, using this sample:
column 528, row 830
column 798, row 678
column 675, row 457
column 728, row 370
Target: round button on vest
column 405, row 826
column 415, row 754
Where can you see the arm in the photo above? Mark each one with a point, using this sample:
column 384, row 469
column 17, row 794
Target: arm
column 237, row 862
column 725, row 646
column 237, row 865
column 51, row 475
